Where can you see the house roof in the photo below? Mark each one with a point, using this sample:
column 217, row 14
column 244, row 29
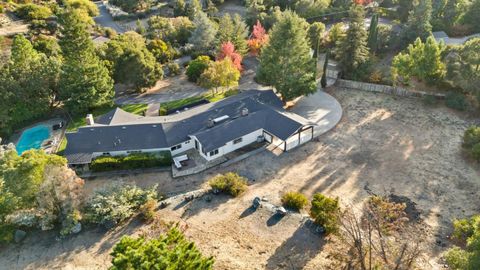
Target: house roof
column 121, row 131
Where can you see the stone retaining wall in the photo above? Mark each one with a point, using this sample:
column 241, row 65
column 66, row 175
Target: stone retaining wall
column 386, row 89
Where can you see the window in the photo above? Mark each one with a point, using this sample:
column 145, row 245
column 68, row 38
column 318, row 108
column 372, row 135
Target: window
column 239, row 140
column 213, row 153
column 176, row 147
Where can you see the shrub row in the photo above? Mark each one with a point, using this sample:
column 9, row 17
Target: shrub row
column 132, row 161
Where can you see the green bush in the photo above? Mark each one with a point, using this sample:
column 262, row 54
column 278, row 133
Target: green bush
column 197, row 67
column 476, row 152
column 471, row 137
column 116, row 203
column 456, row 101
column 467, row 231
column 230, row 183
column 33, row 12
column 294, row 200
column 173, row 68
column 130, row 162
column 171, row 250
column 326, row 212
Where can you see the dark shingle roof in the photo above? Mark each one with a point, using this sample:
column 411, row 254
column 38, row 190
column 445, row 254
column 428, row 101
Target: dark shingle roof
column 120, row 131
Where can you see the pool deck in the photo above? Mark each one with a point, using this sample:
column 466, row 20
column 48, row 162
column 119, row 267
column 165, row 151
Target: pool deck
column 55, row 134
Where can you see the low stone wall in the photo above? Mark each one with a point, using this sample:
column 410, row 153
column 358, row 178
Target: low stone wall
column 386, row 89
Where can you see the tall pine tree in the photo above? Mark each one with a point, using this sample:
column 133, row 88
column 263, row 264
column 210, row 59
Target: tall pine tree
column 235, row 30
column 285, row 62
column 353, row 50
column 418, row 24
column 373, row 33
column 85, row 82
column 204, row 36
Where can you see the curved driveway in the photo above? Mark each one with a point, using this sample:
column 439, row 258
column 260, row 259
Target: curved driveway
column 320, row 108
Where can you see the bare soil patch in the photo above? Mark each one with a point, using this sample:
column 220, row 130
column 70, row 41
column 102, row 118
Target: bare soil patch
column 383, row 145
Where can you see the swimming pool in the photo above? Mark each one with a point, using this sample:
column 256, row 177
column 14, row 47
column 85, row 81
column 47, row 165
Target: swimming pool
column 33, row 138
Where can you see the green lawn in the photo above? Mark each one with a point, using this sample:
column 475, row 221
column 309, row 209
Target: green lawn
column 79, row 120
column 164, row 107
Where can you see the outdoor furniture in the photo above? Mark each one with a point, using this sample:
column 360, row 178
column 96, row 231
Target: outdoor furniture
column 179, row 160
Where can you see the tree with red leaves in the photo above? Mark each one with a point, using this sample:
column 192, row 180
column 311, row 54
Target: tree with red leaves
column 363, row 2
column 227, row 50
column 258, row 39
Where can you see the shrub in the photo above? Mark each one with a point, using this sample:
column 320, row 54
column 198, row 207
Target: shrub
column 456, row 101
column 325, row 211
column 33, row 12
column 116, row 203
column 294, row 200
column 476, row 152
column 230, row 183
column 197, row 67
column 467, row 231
column 171, row 250
column 471, row 137
column 173, row 68
column 132, row 161
column 148, row 210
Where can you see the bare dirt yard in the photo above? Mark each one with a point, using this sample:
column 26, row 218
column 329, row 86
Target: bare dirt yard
column 383, row 145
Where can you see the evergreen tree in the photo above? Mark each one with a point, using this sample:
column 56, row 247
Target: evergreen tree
column 405, row 6
column 179, row 8
column 472, row 16
column 235, row 30
column 418, row 24
column 285, row 62
column 323, row 81
column 194, row 7
column 315, row 31
column 204, row 36
column 84, row 81
column 373, row 33
column 353, row 50
column 132, row 63
column 169, row 251
column 28, row 84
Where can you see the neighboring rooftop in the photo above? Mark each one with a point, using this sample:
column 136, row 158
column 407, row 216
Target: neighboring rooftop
column 122, row 131
column 442, row 36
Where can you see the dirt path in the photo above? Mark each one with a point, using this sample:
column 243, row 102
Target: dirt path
column 383, row 145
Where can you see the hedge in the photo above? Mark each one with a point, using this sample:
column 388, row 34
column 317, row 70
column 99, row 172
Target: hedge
column 130, row 162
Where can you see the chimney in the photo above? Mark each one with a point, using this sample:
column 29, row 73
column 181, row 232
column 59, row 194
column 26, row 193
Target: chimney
column 244, row 111
column 89, row 119
column 210, row 123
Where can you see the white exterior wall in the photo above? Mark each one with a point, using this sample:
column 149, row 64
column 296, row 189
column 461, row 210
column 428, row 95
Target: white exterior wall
column 187, row 145
column 230, row 147
column 124, row 153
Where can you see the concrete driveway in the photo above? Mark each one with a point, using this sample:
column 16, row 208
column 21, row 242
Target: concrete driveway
column 320, row 108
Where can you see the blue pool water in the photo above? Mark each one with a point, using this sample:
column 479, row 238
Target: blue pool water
column 32, row 138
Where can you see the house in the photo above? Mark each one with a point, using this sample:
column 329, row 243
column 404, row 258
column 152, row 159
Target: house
column 213, row 129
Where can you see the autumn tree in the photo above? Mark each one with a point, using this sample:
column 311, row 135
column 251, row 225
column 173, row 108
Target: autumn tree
column 291, row 71
column 258, row 39
column 84, row 81
column 353, row 51
column 227, row 50
column 220, row 74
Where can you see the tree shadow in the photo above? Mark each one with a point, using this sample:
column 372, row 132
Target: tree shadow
column 296, row 251
column 201, row 204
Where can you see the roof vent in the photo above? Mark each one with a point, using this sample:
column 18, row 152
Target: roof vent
column 154, row 125
column 220, row 119
column 210, row 122
column 124, row 127
column 244, row 111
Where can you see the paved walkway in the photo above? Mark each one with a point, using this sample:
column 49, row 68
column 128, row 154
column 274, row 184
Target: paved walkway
column 320, row 108
column 105, row 19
